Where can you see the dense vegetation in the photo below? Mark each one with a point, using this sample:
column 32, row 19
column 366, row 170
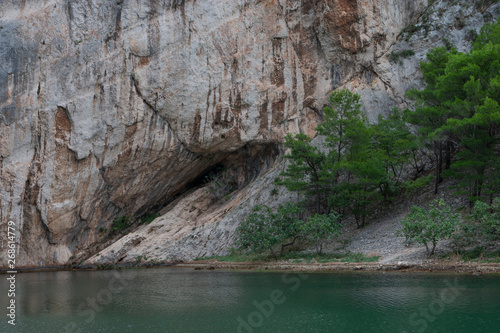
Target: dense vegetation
column 265, row 229
column 455, row 129
column 458, row 114
column 428, row 226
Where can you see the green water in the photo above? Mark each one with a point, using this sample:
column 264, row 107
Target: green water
column 184, row 300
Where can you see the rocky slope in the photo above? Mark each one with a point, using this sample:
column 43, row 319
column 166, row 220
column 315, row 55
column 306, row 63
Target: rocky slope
column 112, row 108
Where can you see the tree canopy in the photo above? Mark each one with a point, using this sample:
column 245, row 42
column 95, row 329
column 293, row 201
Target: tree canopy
column 458, row 113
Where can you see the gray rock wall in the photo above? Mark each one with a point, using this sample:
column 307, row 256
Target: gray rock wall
column 108, row 108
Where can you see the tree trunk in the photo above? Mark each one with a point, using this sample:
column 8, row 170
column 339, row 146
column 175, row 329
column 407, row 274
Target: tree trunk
column 283, row 246
column 438, row 151
column 272, row 253
column 447, row 158
column 318, row 200
column 478, row 186
column 434, row 243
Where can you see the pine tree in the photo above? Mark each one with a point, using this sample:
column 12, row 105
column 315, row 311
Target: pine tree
column 459, row 111
column 305, row 171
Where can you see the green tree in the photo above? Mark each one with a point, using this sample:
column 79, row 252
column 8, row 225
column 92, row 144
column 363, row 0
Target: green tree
column 265, row 229
column 490, row 33
column 489, row 218
column 347, row 135
column 459, row 111
column 364, row 186
column 344, row 124
column 319, row 228
column 428, row 226
column 397, row 147
column 305, row 171
column 430, row 114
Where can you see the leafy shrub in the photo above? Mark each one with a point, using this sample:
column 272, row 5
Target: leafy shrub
column 465, row 236
column 428, row 226
column 488, row 217
column 411, row 29
column 418, row 184
column 120, row 224
column 395, row 56
column 148, row 218
column 264, row 229
column 318, row 228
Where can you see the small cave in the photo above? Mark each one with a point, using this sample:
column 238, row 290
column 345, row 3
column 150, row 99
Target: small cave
column 230, row 172
column 206, row 177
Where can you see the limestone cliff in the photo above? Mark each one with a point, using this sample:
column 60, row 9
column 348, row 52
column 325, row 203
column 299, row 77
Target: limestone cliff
column 111, row 108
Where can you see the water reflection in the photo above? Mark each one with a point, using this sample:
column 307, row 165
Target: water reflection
column 182, row 300
column 62, row 293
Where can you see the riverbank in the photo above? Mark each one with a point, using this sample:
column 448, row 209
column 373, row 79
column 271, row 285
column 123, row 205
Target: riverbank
column 473, row 268
column 435, row 266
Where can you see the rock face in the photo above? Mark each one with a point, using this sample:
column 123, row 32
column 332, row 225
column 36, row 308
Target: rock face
column 111, row 108
column 194, row 226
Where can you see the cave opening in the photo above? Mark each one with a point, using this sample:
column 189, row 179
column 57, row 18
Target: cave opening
column 229, row 173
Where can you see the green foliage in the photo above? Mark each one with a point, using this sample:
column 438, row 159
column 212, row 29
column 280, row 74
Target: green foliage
column 347, row 135
column 368, row 175
column 319, row 228
column 428, row 226
column 466, row 235
column 305, row 171
column 396, row 56
column 489, row 218
column 264, row 229
column 363, row 164
column 471, row 35
column 120, row 224
column 396, row 147
column 478, row 254
column 344, row 124
column 490, row 33
column 148, row 218
column 418, row 184
column 458, row 113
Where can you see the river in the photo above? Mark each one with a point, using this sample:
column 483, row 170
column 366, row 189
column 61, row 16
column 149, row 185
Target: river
column 186, row 300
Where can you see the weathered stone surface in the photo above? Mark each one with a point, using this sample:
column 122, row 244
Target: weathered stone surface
column 194, row 226
column 108, row 108
column 445, row 23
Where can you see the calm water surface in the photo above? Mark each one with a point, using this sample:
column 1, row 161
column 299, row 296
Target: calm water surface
column 184, row 300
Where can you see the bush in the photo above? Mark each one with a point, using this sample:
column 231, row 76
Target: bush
column 466, row 236
column 264, row 229
column 395, row 56
column 318, row 228
column 148, row 218
column 428, row 226
column 488, row 217
column 120, row 224
column 418, row 184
